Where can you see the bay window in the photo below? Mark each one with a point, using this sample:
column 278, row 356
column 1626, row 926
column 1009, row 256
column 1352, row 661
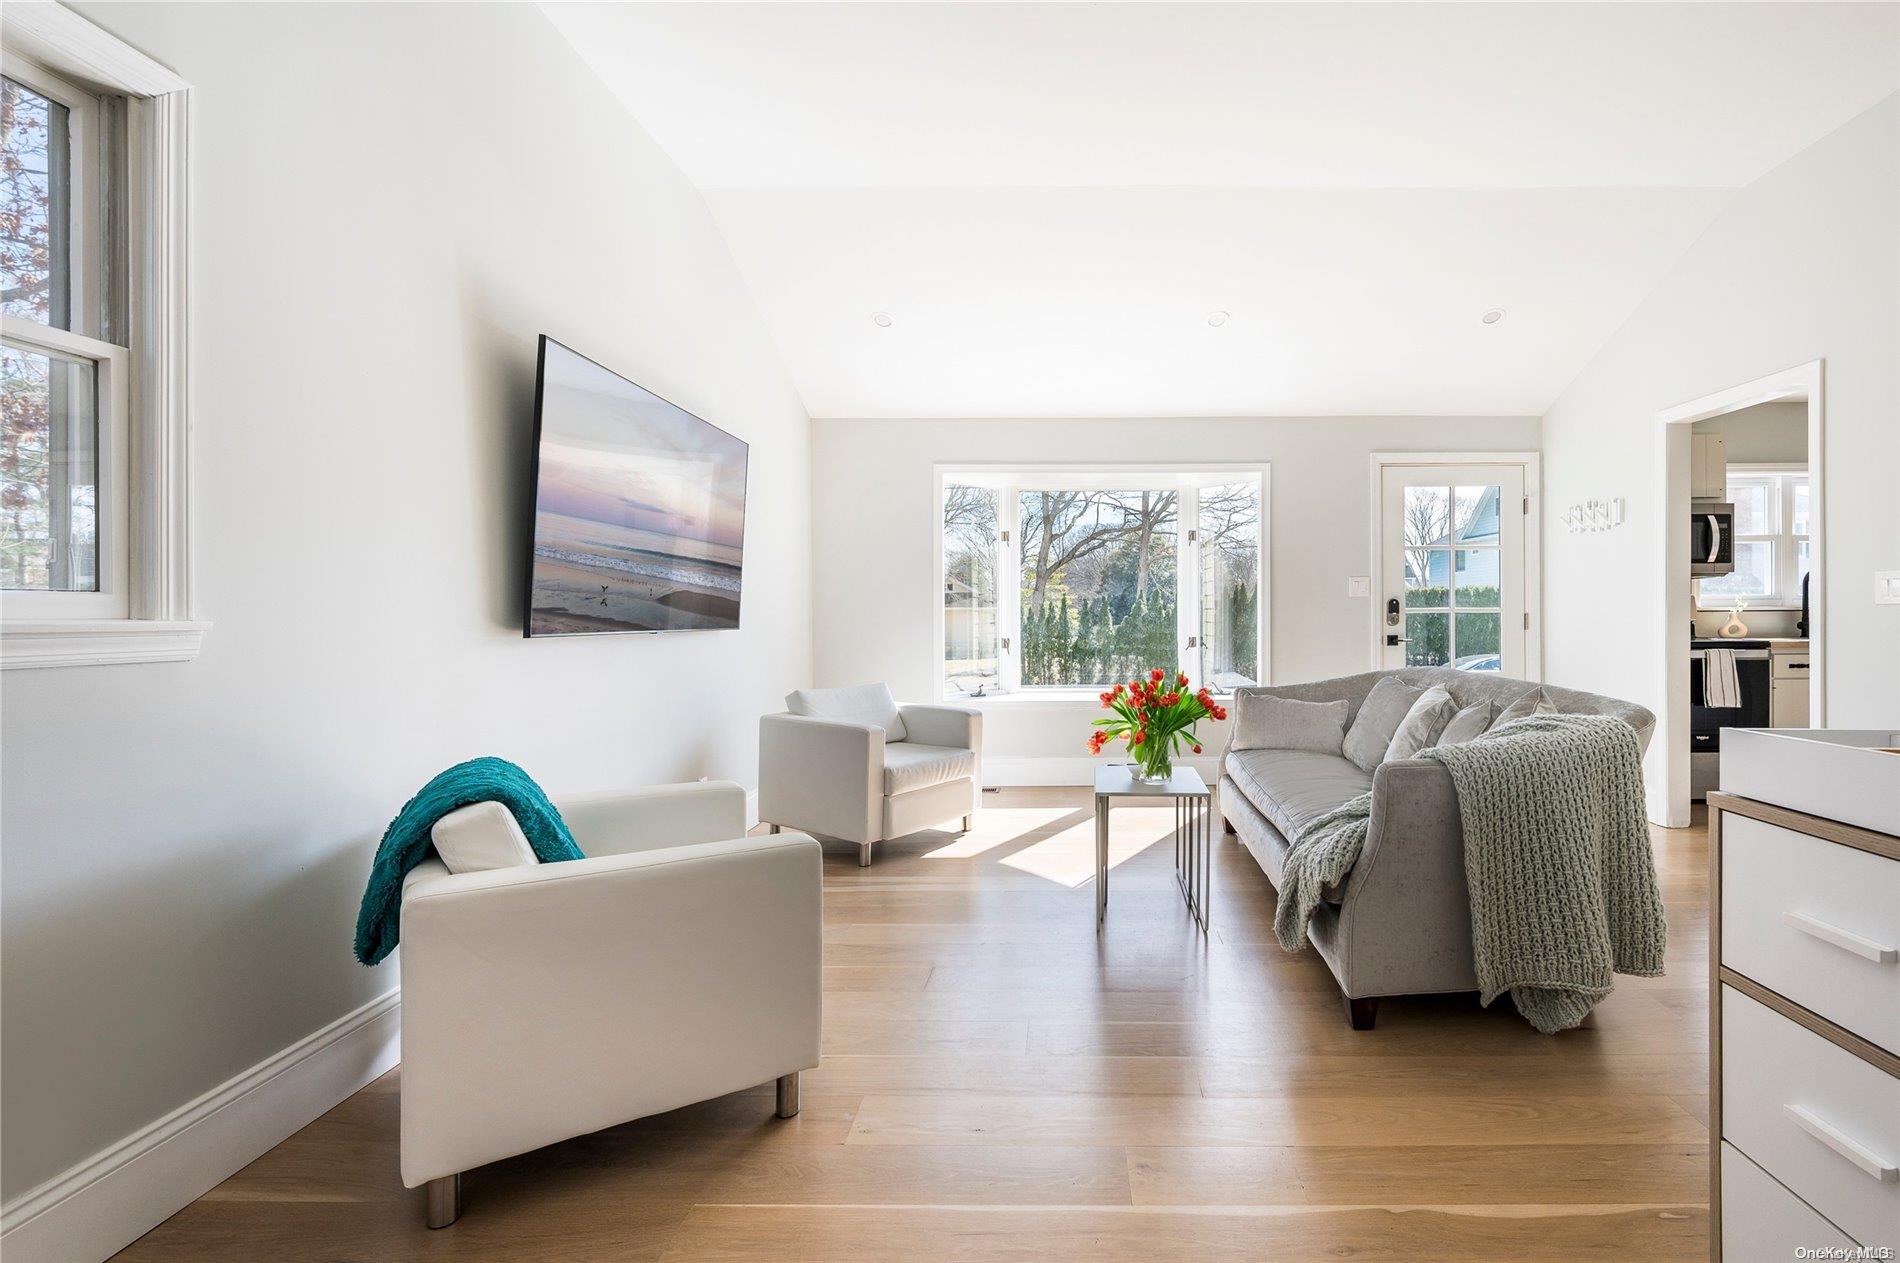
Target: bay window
column 1068, row 578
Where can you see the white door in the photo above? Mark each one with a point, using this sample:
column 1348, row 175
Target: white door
column 1452, row 579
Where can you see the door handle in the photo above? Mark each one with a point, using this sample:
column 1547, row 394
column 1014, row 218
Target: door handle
column 1840, row 1142
column 1847, row 940
column 1395, row 639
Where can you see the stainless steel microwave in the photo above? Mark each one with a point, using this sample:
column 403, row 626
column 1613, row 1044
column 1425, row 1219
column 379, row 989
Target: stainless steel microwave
column 1711, row 538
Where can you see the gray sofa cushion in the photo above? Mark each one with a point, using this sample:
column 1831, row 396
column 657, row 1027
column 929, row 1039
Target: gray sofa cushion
column 1292, row 788
column 1378, row 719
column 1422, row 724
column 1281, row 723
column 1535, row 702
column 1472, row 721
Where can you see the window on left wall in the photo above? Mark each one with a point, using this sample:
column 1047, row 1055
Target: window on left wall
column 94, row 351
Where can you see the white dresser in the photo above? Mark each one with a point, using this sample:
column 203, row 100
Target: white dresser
column 1804, row 921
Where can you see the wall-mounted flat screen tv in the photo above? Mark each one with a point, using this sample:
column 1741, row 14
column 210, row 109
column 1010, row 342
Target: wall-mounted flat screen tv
column 639, row 508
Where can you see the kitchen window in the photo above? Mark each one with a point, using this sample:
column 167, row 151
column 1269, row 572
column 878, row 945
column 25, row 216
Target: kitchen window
column 1771, row 540
column 1066, row 579
column 94, row 454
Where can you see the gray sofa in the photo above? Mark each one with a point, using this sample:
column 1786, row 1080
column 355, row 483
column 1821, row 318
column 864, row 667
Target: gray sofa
column 1400, row 924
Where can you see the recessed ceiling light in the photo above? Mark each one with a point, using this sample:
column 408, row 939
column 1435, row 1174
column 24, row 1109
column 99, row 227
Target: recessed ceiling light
column 1493, row 316
column 1216, row 318
column 882, row 319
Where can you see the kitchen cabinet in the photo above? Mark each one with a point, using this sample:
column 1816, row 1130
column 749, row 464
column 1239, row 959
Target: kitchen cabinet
column 1708, row 467
column 1788, row 674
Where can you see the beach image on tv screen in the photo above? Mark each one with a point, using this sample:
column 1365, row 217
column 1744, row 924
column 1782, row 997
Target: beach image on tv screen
column 639, row 509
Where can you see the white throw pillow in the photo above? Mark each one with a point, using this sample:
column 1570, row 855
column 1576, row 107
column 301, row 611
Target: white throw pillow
column 481, row 836
column 1422, row 724
column 1281, row 723
column 858, row 704
column 1469, row 723
column 1378, row 718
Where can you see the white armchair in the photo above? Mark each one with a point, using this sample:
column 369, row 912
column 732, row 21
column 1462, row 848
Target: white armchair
column 678, row 962
column 851, row 763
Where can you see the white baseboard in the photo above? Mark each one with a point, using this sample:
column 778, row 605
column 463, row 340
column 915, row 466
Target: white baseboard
column 1067, row 770
column 122, row 1192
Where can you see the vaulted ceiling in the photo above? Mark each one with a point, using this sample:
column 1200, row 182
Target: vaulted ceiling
column 1050, row 201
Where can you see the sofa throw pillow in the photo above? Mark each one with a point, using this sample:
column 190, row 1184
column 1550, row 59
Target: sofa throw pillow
column 1379, row 717
column 1472, row 721
column 1422, row 724
column 1535, row 702
column 858, row 704
column 1281, row 723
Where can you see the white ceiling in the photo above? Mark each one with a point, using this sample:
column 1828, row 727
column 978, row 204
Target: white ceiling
column 1049, row 199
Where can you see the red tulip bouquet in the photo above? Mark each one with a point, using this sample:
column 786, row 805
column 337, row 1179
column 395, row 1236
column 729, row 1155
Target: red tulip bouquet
column 1154, row 719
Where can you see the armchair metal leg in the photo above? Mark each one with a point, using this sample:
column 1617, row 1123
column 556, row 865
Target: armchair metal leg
column 864, row 855
column 967, row 822
column 775, row 829
column 445, row 1197
column 788, row 1094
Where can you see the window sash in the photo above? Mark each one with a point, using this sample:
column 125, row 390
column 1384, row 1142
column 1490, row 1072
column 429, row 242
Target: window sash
column 86, row 192
column 112, row 375
column 1784, row 551
column 1010, row 485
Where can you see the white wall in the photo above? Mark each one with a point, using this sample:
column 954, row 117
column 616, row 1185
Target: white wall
column 1802, row 265
column 875, row 586
column 391, row 203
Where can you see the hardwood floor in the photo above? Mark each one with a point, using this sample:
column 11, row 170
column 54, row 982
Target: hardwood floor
column 1000, row 1083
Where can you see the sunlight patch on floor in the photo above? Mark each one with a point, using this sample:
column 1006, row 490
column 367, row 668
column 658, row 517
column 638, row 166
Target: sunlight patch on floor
column 995, row 826
column 1068, row 858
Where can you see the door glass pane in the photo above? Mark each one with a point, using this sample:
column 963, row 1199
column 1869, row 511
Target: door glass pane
column 1475, row 515
column 1475, row 641
column 1427, row 578
column 1230, row 587
column 1427, row 516
column 1098, row 586
column 49, row 472
column 1475, row 577
column 1427, row 640
column 1756, row 505
column 1754, row 568
column 969, row 590
column 34, row 196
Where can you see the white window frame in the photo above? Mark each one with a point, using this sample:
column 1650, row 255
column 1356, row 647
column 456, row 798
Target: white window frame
column 1784, row 578
column 148, row 466
column 1010, row 480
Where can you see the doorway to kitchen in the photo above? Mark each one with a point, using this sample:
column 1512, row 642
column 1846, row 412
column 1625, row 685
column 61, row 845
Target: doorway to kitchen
column 1743, row 572
column 1456, row 562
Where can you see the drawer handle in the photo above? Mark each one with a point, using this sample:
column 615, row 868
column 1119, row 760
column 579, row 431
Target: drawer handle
column 1858, row 944
column 1855, row 1152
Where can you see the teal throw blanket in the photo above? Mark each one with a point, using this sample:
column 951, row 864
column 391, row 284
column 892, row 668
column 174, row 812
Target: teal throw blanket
column 406, row 842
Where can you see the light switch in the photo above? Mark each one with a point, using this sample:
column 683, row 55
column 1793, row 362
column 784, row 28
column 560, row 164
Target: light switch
column 1359, row 585
column 1887, row 587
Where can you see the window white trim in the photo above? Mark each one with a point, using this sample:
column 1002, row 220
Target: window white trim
column 1186, row 478
column 157, row 543
column 1784, row 543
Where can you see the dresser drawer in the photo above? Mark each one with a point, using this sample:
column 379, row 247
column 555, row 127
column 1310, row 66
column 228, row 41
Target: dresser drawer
column 1814, row 1116
column 1813, row 920
column 1763, row 1220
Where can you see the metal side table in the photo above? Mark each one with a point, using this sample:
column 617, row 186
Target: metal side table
column 1193, row 831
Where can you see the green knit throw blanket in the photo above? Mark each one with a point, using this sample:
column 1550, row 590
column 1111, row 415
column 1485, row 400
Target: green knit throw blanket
column 1557, row 857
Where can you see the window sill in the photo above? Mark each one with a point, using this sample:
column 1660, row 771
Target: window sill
column 98, row 642
column 1030, row 699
